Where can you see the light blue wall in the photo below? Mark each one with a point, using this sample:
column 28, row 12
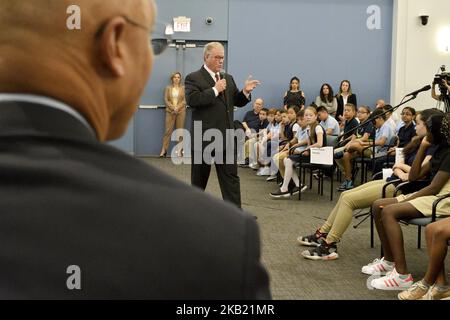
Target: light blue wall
column 198, row 10
column 317, row 40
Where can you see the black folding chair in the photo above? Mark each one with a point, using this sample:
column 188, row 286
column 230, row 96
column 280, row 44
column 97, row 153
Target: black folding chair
column 321, row 168
column 423, row 222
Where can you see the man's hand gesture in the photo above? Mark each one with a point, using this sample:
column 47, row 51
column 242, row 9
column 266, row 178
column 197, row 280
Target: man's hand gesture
column 250, row 85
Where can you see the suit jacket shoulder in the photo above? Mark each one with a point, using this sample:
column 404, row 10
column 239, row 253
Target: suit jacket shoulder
column 133, row 231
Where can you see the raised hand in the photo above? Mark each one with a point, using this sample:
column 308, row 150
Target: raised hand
column 250, row 84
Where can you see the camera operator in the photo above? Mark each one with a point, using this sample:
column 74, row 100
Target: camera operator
column 439, row 97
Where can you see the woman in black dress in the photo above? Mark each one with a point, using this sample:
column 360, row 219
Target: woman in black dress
column 294, row 96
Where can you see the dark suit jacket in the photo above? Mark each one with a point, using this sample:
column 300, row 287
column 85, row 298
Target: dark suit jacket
column 340, row 102
column 66, row 199
column 213, row 112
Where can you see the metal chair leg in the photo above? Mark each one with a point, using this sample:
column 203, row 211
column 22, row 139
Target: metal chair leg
column 300, row 179
column 320, row 182
column 362, row 172
column 331, row 190
column 419, row 237
column 318, row 185
column 371, row 229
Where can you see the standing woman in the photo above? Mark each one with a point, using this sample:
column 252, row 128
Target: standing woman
column 175, row 111
column 344, row 96
column 294, row 96
column 327, row 99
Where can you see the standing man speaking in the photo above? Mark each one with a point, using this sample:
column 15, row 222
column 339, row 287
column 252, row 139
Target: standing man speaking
column 213, row 95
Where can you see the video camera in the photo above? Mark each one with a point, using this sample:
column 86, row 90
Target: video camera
column 439, row 78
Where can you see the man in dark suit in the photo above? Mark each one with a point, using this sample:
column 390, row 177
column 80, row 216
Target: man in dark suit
column 80, row 219
column 213, row 96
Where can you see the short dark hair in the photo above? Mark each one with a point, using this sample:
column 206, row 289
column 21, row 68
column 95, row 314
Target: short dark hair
column 351, row 105
column 322, row 108
column 301, row 113
column 411, row 109
column 378, row 113
column 265, row 110
column 388, row 108
column 272, row 111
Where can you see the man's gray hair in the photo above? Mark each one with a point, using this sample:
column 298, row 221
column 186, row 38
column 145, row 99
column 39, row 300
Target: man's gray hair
column 210, row 46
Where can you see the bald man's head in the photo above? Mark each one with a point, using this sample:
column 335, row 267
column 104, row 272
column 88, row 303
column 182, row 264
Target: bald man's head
column 100, row 70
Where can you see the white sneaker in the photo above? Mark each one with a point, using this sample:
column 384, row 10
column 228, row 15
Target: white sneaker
column 264, row 171
column 272, row 177
column 377, row 267
column 392, row 281
column 253, row 165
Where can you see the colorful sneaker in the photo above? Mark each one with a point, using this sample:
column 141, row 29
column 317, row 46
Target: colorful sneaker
column 435, row 294
column 392, row 281
column 312, row 240
column 350, row 185
column 346, row 185
column 377, row 267
column 415, row 292
column 324, row 251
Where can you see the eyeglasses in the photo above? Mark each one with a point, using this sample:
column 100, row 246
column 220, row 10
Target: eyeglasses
column 159, row 39
column 361, row 112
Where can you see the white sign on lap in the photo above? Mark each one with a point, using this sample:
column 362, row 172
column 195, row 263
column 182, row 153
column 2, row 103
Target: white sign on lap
column 322, row 155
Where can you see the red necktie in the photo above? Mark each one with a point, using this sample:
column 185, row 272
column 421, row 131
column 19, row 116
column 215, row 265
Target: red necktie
column 217, row 79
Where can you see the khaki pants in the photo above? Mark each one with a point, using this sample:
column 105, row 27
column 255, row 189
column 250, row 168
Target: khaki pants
column 278, row 159
column 339, row 162
column 249, row 150
column 358, row 198
column 171, row 120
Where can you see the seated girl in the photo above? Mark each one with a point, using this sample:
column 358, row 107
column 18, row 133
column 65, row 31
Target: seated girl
column 434, row 284
column 388, row 212
column 325, row 239
column 315, row 138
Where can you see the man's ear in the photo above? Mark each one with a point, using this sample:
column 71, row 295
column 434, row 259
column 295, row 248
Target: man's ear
column 112, row 46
